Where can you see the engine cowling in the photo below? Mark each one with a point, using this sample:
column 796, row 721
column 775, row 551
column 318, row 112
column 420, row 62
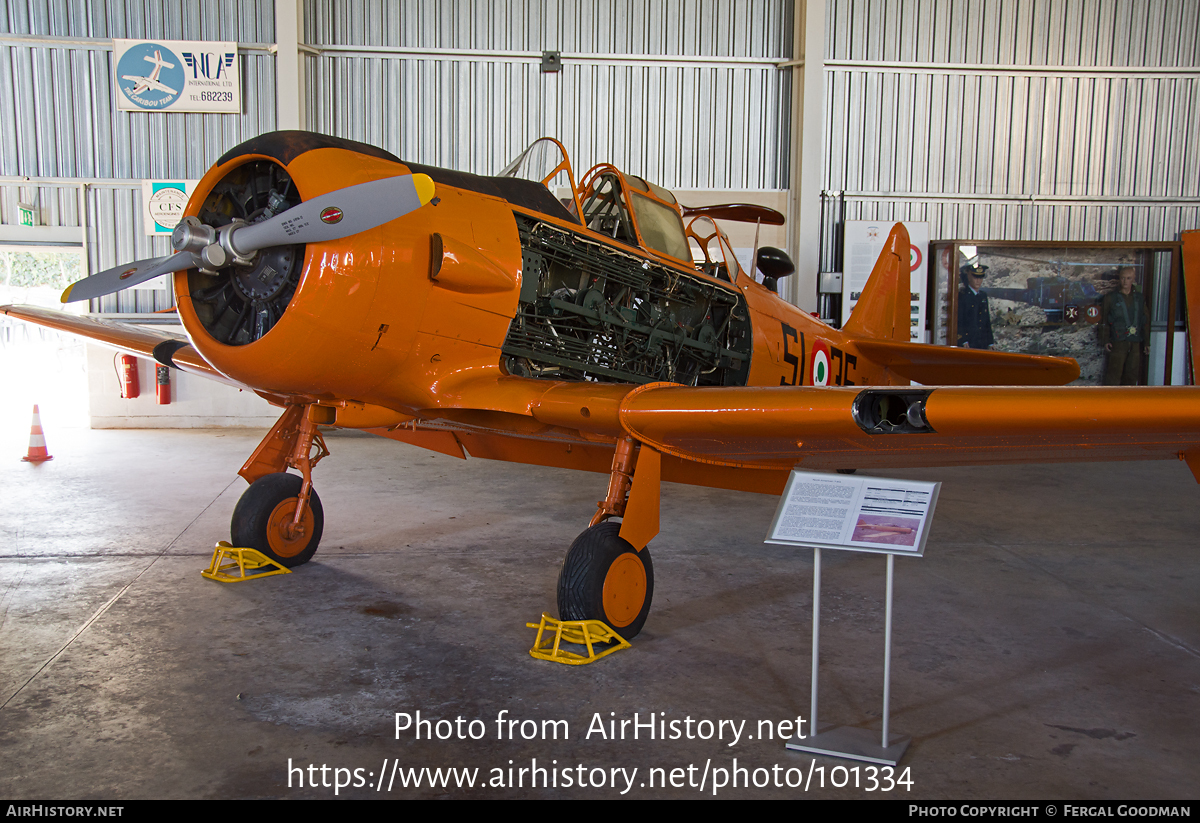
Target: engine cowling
column 298, row 319
column 366, row 317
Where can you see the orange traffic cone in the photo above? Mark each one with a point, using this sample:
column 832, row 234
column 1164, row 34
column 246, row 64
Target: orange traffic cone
column 37, row 441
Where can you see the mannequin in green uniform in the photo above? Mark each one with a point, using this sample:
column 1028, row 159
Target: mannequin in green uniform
column 1124, row 331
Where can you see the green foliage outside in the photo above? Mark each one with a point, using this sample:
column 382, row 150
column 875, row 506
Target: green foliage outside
column 28, row 269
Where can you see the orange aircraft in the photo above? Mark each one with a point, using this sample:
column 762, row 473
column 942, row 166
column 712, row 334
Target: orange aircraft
column 612, row 331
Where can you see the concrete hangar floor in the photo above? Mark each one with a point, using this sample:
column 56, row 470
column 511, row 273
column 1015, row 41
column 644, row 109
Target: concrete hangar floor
column 1047, row 645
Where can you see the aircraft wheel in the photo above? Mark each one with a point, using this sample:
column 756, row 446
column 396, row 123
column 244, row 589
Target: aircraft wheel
column 604, row 578
column 266, row 508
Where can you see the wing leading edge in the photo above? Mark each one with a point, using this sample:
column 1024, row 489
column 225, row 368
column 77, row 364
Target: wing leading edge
column 852, row 428
column 166, row 348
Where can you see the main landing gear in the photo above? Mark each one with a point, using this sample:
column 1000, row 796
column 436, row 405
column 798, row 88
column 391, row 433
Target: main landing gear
column 605, row 576
column 280, row 514
column 607, row 573
column 264, row 520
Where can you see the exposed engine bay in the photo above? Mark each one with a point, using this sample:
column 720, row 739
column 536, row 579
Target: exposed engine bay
column 589, row 311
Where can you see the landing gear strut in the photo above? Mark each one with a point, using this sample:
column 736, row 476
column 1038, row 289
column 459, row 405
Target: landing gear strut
column 281, row 514
column 605, row 576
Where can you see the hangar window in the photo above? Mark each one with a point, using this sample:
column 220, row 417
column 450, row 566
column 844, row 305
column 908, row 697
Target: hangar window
column 43, row 366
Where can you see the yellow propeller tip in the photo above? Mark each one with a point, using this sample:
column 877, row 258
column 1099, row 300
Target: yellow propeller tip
column 66, row 295
column 423, row 183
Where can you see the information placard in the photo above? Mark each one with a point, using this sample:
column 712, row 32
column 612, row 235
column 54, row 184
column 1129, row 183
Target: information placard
column 865, row 514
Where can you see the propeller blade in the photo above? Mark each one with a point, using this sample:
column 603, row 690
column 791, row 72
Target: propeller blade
column 331, row 216
column 337, row 214
column 130, row 274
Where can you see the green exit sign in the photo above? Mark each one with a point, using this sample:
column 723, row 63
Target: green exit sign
column 26, row 214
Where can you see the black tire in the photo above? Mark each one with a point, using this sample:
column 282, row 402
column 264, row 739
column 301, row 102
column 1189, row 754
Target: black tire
column 595, row 555
column 261, row 510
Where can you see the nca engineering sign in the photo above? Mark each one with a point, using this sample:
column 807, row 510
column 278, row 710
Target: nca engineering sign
column 176, row 75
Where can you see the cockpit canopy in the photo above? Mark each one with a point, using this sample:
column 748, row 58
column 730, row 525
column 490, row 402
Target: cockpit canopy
column 627, row 208
column 657, row 225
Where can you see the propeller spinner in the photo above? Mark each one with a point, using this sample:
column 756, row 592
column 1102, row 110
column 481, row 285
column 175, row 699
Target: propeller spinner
column 331, row 216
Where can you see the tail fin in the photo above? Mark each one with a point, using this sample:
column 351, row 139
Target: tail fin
column 883, row 311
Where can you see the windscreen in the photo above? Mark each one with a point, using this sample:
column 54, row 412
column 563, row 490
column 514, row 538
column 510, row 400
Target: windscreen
column 661, row 227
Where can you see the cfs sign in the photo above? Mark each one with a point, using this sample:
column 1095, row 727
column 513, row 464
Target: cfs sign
column 176, row 75
column 163, row 203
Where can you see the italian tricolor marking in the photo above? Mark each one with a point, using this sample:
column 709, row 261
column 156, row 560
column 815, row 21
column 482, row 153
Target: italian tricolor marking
column 819, row 365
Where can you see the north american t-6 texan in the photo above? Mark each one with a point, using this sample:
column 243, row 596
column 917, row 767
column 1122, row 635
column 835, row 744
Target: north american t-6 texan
column 611, row 331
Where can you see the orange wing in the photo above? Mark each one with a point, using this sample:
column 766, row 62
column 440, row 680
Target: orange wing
column 166, row 348
column 774, row 428
column 825, row 428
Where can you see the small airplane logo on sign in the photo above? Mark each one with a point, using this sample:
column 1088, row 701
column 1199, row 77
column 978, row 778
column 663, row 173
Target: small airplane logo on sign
column 142, row 83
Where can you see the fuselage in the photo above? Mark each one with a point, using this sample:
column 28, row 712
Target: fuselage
column 394, row 319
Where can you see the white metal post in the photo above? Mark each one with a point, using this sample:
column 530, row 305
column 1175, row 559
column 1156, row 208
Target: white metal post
column 816, row 639
column 887, row 650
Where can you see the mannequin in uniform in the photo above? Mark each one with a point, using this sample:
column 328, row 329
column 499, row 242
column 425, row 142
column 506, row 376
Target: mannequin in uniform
column 974, row 315
column 1124, row 326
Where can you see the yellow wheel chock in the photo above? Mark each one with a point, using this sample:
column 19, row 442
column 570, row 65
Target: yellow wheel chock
column 227, row 559
column 590, row 633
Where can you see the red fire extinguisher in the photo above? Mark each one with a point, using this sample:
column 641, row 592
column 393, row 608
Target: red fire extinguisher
column 162, row 377
column 129, row 377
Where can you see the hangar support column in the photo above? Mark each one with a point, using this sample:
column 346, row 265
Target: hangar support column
column 807, row 152
column 289, row 68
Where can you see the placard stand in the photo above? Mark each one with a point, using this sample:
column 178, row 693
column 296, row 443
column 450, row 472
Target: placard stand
column 851, row 742
column 862, row 514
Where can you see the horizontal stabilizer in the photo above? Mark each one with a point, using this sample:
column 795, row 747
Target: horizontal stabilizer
column 946, row 366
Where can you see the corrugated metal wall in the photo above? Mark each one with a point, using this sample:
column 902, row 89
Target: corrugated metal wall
column 1065, row 120
column 1012, row 119
column 685, row 93
column 60, row 119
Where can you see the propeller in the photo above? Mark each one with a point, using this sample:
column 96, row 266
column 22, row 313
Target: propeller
column 331, row 216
